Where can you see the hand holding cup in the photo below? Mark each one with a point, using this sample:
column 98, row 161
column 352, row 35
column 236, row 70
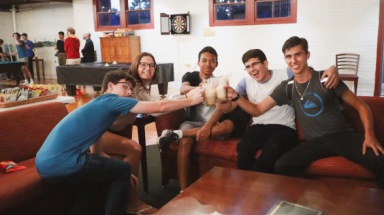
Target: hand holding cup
column 198, row 96
column 231, row 93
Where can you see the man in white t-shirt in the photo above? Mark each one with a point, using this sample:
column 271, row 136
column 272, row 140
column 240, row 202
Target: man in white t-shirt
column 273, row 132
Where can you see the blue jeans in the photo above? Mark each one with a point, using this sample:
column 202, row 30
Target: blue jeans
column 96, row 172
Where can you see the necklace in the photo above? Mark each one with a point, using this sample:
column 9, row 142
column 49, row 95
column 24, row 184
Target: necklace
column 302, row 95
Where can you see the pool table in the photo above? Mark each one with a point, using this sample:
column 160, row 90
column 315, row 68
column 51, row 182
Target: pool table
column 13, row 67
column 92, row 74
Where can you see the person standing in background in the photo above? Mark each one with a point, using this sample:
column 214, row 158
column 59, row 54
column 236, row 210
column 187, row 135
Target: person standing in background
column 22, row 54
column 61, row 55
column 88, row 51
column 72, row 47
column 2, row 58
column 30, row 52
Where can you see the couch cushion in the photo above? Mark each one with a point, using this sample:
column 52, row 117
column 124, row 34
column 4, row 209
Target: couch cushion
column 24, row 130
column 25, row 187
column 339, row 167
column 225, row 149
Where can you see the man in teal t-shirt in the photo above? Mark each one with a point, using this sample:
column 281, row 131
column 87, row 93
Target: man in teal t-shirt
column 63, row 158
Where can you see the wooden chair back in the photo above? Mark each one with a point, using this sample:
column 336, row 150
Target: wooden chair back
column 348, row 61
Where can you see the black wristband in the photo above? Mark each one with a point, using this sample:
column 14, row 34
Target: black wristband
column 236, row 98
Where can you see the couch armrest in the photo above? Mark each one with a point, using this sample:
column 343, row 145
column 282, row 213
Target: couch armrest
column 170, row 120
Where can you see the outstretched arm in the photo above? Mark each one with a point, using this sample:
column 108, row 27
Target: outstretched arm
column 167, row 105
column 366, row 117
column 185, row 88
column 254, row 109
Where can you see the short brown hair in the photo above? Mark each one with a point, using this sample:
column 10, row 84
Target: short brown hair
column 115, row 77
column 254, row 53
column 71, row 30
column 135, row 67
column 295, row 41
column 1, row 41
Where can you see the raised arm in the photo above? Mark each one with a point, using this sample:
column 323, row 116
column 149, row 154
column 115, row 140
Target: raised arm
column 366, row 118
column 17, row 40
column 333, row 77
column 167, row 105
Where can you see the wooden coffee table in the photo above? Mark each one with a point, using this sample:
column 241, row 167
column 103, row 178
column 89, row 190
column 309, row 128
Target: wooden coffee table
column 231, row 191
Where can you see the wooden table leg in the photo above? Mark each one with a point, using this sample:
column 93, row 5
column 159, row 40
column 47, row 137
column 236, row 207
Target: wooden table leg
column 37, row 70
column 141, row 134
column 71, row 90
column 163, row 89
column 42, row 64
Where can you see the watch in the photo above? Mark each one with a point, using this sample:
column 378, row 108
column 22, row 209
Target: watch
column 236, row 98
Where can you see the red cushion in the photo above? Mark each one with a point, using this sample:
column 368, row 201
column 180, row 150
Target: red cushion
column 225, row 149
column 24, row 187
column 24, row 130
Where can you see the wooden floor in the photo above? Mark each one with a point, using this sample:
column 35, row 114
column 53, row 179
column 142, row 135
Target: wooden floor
column 88, row 94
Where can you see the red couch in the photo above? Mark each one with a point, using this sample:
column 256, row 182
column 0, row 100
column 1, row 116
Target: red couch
column 210, row 153
column 22, row 132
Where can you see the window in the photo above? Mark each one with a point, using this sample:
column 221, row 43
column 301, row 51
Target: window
column 251, row 12
column 110, row 15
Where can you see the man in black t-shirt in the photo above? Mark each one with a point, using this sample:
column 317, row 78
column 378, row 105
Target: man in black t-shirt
column 61, row 55
column 202, row 120
column 326, row 129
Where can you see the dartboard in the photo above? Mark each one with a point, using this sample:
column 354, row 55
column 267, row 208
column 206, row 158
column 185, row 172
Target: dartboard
column 179, row 24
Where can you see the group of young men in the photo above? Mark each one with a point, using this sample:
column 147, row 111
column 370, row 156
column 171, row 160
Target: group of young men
column 272, row 97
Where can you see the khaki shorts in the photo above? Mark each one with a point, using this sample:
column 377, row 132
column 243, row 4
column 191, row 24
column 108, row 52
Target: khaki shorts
column 24, row 59
column 73, row 61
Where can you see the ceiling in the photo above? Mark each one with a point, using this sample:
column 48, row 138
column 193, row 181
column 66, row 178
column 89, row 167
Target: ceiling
column 6, row 5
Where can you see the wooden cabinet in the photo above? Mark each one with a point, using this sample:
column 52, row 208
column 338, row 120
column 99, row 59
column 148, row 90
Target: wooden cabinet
column 119, row 49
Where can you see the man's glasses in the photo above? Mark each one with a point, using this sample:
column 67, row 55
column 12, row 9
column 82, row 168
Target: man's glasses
column 144, row 65
column 126, row 86
column 253, row 65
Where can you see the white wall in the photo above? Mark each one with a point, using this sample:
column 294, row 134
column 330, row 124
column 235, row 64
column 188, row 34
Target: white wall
column 41, row 23
column 6, row 26
column 331, row 27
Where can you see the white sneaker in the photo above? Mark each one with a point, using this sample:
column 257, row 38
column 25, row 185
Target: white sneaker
column 25, row 83
column 32, row 82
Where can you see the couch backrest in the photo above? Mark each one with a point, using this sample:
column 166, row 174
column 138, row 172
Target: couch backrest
column 24, row 130
column 376, row 104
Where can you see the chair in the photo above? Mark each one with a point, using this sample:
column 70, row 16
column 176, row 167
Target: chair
column 349, row 62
